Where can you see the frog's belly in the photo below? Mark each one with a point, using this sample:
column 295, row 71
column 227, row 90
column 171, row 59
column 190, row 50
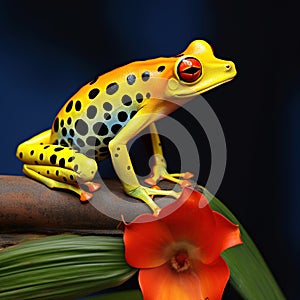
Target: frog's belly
column 91, row 138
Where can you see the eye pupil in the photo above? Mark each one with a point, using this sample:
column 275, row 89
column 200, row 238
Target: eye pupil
column 189, row 69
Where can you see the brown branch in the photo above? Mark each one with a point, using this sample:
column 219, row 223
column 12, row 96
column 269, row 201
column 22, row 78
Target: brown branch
column 27, row 206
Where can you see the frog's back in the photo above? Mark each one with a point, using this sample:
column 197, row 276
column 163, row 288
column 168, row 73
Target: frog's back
column 99, row 110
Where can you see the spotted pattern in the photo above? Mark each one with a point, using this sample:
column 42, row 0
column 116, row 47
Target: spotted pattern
column 56, row 125
column 81, row 127
column 146, row 76
column 131, row 79
column 63, row 143
column 71, row 132
column 64, row 131
column 107, row 140
column 112, row 88
column 139, row 97
column 91, row 153
column 71, row 159
column 122, row 116
column 94, row 93
column 93, row 141
column 80, row 142
column 88, row 127
column 90, row 120
column 100, row 128
column 107, row 116
column 78, row 105
column 69, row 121
column 53, row 159
column 126, row 100
column 107, row 106
column 62, row 162
column 132, row 114
column 115, row 128
column 161, row 68
column 91, row 112
column 69, row 106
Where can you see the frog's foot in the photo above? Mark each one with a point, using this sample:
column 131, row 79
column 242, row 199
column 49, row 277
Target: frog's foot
column 92, row 186
column 85, row 196
column 159, row 173
column 146, row 194
column 67, row 181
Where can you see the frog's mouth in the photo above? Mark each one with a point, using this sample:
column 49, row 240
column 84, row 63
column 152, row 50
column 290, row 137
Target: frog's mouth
column 195, row 93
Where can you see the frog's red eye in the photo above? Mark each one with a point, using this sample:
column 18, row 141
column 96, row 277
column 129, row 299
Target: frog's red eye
column 189, row 69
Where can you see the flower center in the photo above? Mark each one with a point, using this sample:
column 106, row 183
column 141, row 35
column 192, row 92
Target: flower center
column 181, row 261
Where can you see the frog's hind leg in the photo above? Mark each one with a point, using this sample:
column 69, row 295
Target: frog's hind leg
column 38, row 173
column 159, row 169
column 57, row 166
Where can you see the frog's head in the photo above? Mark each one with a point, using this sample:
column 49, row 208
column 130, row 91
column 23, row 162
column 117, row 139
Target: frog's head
column 197, row 70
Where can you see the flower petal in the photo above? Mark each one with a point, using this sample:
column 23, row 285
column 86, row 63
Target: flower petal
column 213, row 278
column 193, row 221
column 225, row 235
column 231, row 233
column 164, row 283
column 146, row 244
column 203, row 282
column 196, row 223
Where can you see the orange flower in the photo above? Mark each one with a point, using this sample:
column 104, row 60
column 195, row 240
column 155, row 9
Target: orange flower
column 178, row 252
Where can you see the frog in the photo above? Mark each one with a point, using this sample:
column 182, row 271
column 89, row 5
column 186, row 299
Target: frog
column 100, row 119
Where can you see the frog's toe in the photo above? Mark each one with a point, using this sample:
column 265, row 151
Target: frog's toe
column 92, row 186
column 187, row 175
column 144, row 194
column 85, row 196
column 155, row 187
column 185, row 183
column 150, row 181
column 156, row 211
column 162, row 174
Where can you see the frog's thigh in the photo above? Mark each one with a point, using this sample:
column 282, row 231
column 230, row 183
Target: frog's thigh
column 64, row 163
column 119, row 153
column 57, row 166
column 61, row 178
column 51, row 176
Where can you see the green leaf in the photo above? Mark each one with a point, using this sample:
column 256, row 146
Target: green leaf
column 250, row 275
column 62, row 267
column 126, row 295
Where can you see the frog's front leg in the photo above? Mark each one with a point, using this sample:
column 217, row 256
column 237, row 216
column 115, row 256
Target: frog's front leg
column 123, row 166
column 57, row 166
column 159, row 169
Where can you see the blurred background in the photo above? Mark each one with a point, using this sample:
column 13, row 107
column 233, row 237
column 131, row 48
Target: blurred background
column 49, row 49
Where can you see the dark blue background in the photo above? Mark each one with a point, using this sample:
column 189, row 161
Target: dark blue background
column 48, row 49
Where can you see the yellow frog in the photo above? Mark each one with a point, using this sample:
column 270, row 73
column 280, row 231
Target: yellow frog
column 106, row 113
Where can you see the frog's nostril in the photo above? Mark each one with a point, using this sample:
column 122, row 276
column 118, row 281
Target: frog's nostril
column 227, row 67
